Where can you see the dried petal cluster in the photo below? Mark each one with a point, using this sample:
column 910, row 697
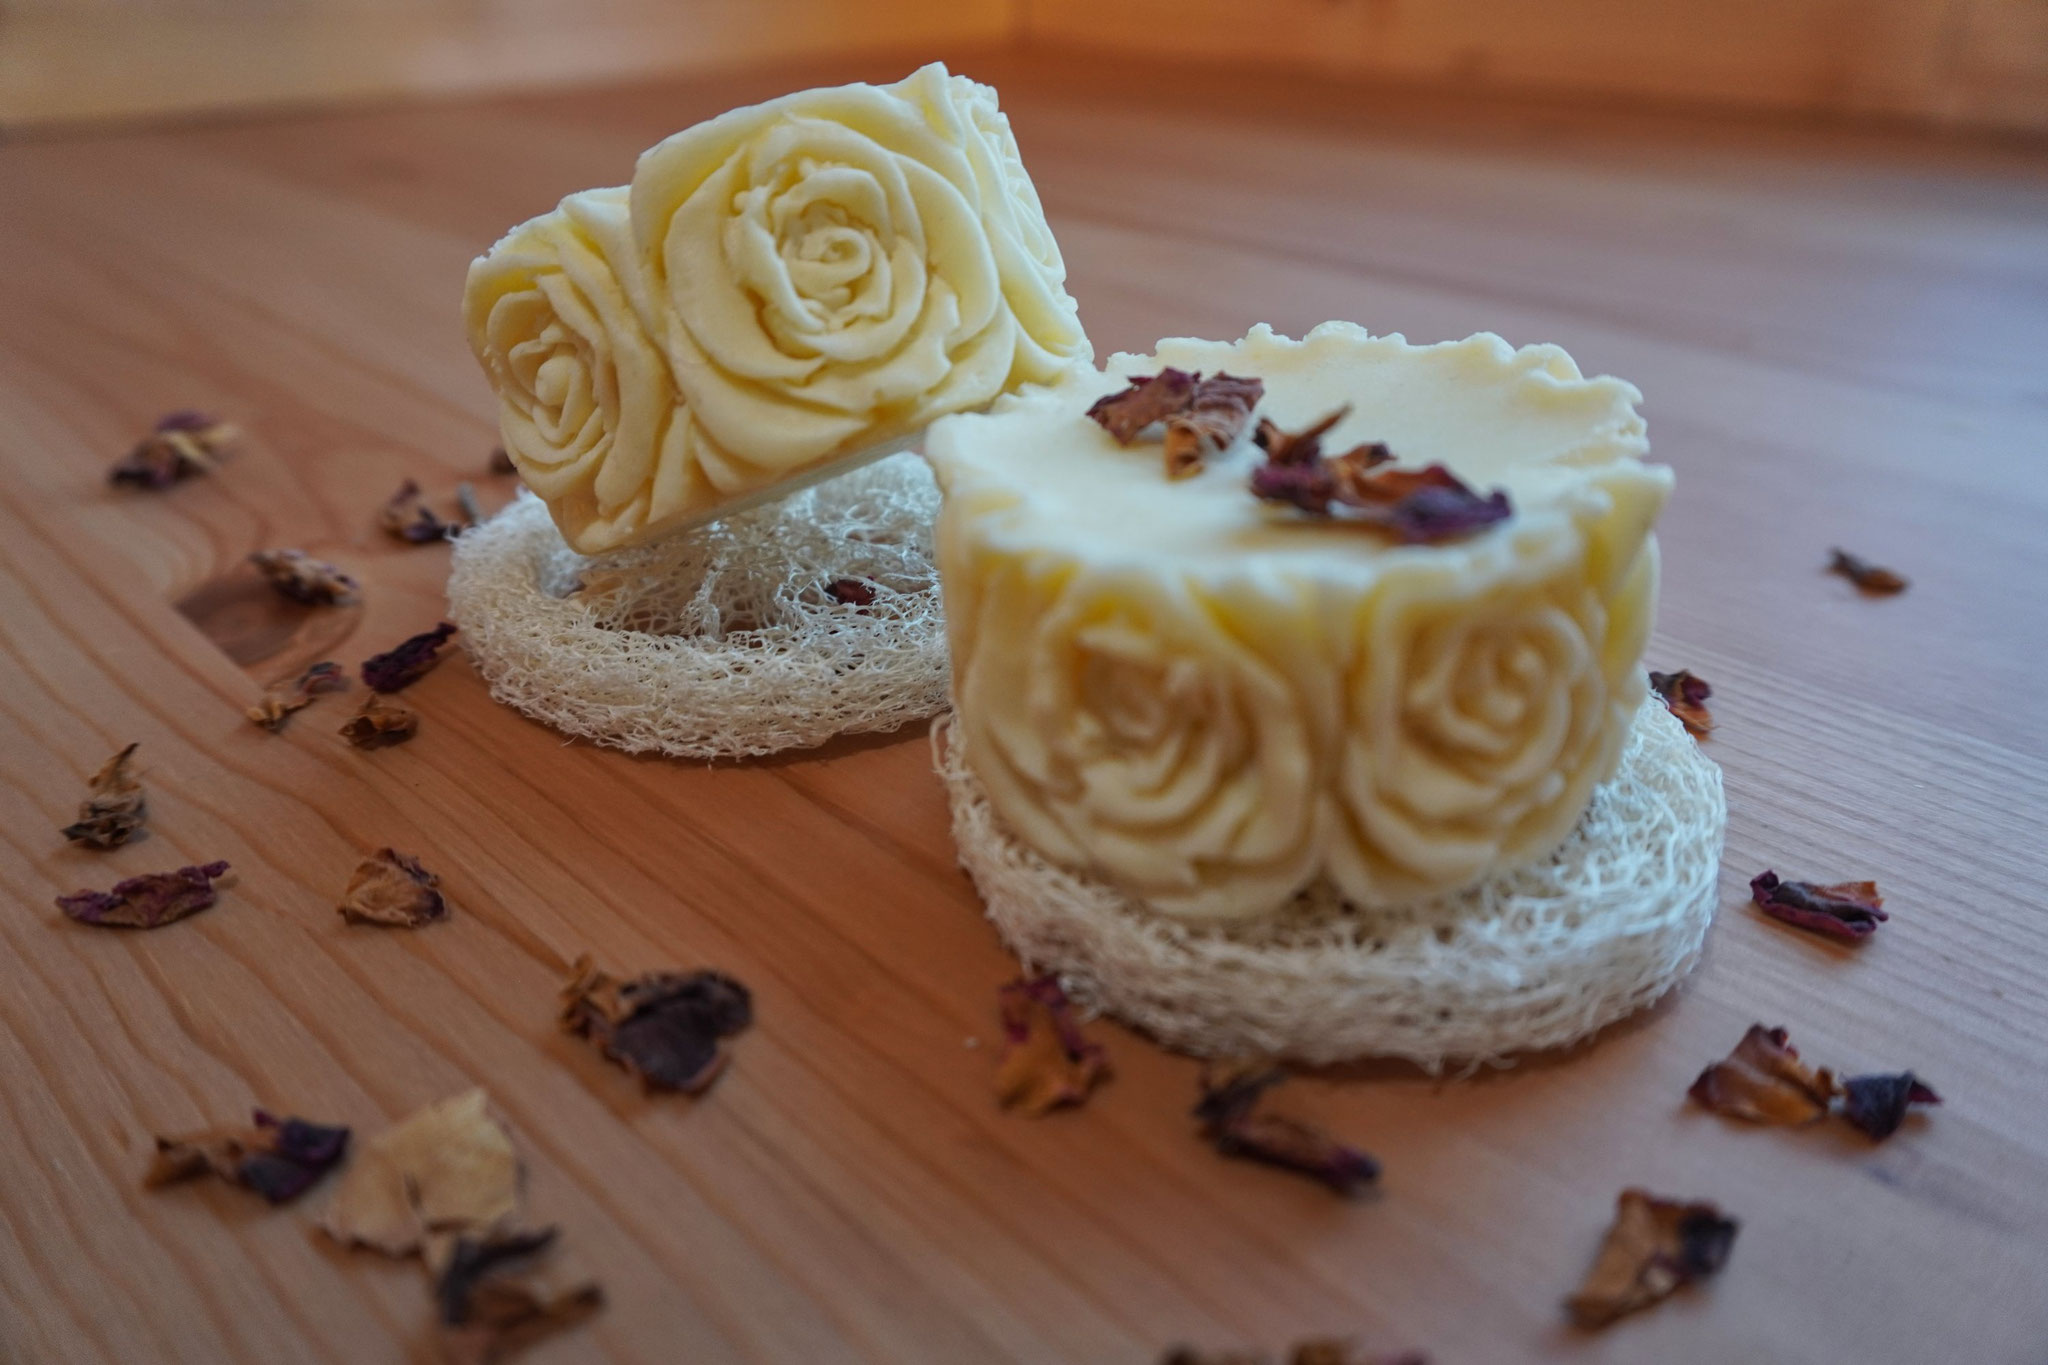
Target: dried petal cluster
column 303, row 578
column 407, row 662
column 278, row 1158
column 1685, row 696
column 1415, row 506
column 406, row 516
column 149, row 901
column 391, row 889
column 1865, row 575
column 380, row 723
column 287, row 695
column 1232, row 1118
column 1764, row 1081
column 1047, row 1062
column 182, row 444
column 486, row 1315
column 1654, row 1246
column 1850, row 911
column 1202, row 417
column 114, row 807
column 667, row 1028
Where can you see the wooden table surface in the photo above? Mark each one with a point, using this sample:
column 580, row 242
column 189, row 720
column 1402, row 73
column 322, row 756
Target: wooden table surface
column 1840, row 335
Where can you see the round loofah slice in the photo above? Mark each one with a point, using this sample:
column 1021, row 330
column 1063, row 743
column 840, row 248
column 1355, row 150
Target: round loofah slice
column 1535, row 958
column 726, row 642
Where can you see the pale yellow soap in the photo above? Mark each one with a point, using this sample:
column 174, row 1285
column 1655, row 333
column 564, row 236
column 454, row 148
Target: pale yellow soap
column 1212, row 701
column 779, row 286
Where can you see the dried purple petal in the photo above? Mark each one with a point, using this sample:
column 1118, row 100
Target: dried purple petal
column 1228, row 1111
column 148, row 901
column 1654, row 1246
column 1685, row 696
column 113, row 809
column 393, row 890
column 486, row 1316
column 1865, row 575
column 1047, row 1062
column 1877, row 1104
column 303, row 578
column 1148, row 400
column 664, row 1027
column 183, row 444
column 280, row 1158
column 1421, row 506
column 408, row 662
column 295, row 694
column 1850, row 911
column 1311, row 487
column 380, row 723
column 407, row 517
column 1764, row 1081
column 852, row 592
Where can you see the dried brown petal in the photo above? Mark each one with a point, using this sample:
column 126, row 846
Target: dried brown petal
column 1047, row 1062
column 1151, row 399
column 1654, row 1246
column 407, row 517
column 1850, row 911
column 114, row 809
column 1865, row 575
column 1877, row 1105
column 380, row 723
column 279, row 1158
column 183, row 444
column 1764, row 1081
column 408, row 661
column 303, row 578
column 1218, row 412
column 501, row 462
column 1230, row 1118
column 852, row 592
column 149, row 901
column 394, row 890
column 295, row 694
column 1420, row 506
column 487, row 1316
column 1685, row 696
column 450, row 1168
column 664, row 1027
column 1304, row 447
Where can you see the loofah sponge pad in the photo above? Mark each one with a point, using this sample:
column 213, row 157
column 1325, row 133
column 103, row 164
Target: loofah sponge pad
column 723, row 642
column 1534, row 958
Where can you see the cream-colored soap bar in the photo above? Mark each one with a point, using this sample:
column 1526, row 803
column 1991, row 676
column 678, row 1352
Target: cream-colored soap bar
column 1212, row 701
column 781, row 285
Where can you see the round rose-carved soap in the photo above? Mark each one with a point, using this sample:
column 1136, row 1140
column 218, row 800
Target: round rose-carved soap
column 779, row 286
column 1213, row 701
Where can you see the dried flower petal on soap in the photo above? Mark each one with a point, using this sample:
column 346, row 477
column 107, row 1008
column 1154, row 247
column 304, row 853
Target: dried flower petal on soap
column 392, row 889
column 407, row 517
column 1151, row 399
column 1764, row 1081
column 303, row 578
column 487, row 1316
column 149, row 901
column 1230, row 1118
column 1310, row 487
column 852, row 592
column 664, row 1027
column 1421, row 506
column 1218, row 412
column 1877, row 1104
column 279, row 1158
column 1047, row 1062
column 1654, row 1246
column 408, row 662
column 448, row 1168
column 1865, row 575
column 1850, row 911
column 380, row 723
column 1685, row 696
column 113, row 809
column 183, row 444
column 295, row 694
column 1304, row 447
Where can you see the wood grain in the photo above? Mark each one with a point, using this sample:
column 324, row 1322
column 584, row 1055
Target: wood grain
column 1839, row 338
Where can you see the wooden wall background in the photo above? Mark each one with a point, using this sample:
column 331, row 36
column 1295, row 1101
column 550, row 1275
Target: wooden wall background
column 1968, row 63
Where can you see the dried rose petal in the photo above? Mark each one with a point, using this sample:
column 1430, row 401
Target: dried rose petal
column 1228, row 1112
column 149, row 901
column 279, row 1158
column 408, row 662
column 183, row 444
column 852, row 592
column 1764, row 1081
column 487, row 1316
column 380, row 723
column 1865, row 575
column 1685, row 696
column 1850, row 911
column 1311, row 487
column 1304, row 447
column 407, row 517
column 1654, row 1246
column 1218, row 412
column 501, row 462
column 448, row 1169
column 394, row 890
column 1047, row 1062
column 1877, row 1104
column 1148, row 400
column 295, row 694
column 114, row 808
column 664, row 1027
column 1421, row 506
column 303, row 578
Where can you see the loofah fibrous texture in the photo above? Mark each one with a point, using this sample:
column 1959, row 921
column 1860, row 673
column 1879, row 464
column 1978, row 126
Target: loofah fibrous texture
column 1535, row 958
column 724, row 642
